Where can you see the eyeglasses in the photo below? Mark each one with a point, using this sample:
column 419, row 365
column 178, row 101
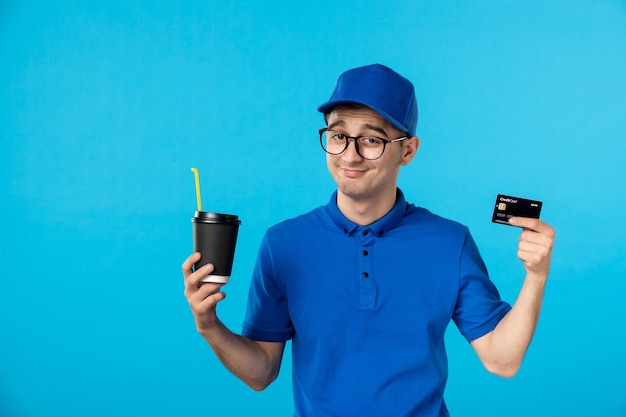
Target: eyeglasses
column 367, row 147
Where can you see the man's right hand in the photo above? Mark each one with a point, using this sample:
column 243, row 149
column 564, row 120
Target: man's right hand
column 201, row 296
column 256, row 363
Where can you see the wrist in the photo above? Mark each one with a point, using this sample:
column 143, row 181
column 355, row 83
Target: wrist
column 207, row 325
column 536, row 278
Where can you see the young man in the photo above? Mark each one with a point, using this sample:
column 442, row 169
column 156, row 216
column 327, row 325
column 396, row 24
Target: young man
column 366, row 285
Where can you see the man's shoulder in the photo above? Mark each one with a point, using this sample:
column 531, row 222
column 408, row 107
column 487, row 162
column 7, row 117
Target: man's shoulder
column 299, row 223
column 421, row 217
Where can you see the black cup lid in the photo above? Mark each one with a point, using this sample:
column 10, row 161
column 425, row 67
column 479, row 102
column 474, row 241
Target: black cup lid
column 211, row 217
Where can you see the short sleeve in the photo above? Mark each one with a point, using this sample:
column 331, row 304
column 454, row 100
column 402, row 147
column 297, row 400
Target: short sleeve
column 479, row 307
column 267, row 316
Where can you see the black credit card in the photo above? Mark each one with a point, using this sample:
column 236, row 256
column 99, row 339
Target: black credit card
column 507, row 207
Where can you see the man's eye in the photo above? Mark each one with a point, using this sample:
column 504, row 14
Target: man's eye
column 338, row 136
column 371, row 141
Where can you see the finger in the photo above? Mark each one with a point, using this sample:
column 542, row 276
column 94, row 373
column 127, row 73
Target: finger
column 534, row 237
column 532, row 224
column 534, row 260
column 532, row 247
column 187, row 266
column 198, row 294
column 528, row 257
column 209, row 302
column 194, row 280
column 205, row 310
column 196, row 291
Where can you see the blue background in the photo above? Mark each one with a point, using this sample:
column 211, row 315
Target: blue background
column 106, row 105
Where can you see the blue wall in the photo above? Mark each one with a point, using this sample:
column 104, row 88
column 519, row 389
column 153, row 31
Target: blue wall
column 105, row 107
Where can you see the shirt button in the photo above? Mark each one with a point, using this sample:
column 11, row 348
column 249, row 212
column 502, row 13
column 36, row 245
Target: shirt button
column 365, row 275
column 365, row 253
column 365, row 232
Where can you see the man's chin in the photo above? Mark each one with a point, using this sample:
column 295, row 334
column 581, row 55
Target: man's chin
column 355, row 193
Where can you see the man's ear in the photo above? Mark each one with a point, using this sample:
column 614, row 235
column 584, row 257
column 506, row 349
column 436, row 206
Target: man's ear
column 409, row 149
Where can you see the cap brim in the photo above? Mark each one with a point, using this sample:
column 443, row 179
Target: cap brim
column 329, row 105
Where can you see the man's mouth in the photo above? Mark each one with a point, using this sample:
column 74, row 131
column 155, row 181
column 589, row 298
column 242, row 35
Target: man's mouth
column 352, row 172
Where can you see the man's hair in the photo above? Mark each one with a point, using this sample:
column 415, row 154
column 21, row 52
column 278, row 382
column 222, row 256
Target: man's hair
column 345, row 106
column 354, row 106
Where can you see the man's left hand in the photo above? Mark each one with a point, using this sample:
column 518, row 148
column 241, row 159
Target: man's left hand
column 535, row 244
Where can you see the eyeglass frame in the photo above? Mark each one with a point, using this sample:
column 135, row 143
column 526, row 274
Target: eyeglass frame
column 356, row 142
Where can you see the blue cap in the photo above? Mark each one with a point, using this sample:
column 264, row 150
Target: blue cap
column 381, row 89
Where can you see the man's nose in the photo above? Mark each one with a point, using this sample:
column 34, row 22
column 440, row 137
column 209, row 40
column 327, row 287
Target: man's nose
column 351, row 153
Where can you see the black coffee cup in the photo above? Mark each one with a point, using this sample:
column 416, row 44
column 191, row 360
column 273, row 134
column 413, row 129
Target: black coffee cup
column 215, row 237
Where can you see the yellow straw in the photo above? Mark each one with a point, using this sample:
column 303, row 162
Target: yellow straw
column 195, row 174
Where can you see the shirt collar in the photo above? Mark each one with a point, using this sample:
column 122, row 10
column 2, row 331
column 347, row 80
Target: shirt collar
column 379, row 227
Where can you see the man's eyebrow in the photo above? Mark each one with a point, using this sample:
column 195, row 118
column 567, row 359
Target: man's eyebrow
column 365, row 126
column 335, row 124
column 376, row 129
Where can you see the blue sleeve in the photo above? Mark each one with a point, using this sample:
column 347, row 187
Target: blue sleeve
column 478, row 308
column 267, row 316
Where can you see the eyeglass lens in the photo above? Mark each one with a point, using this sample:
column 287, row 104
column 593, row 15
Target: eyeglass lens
column 368, row 147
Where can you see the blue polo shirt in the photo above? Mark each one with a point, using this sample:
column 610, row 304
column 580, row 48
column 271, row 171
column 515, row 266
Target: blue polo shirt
column 367, row 307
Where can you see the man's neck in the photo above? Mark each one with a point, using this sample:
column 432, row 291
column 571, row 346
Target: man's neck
column 366, row 211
